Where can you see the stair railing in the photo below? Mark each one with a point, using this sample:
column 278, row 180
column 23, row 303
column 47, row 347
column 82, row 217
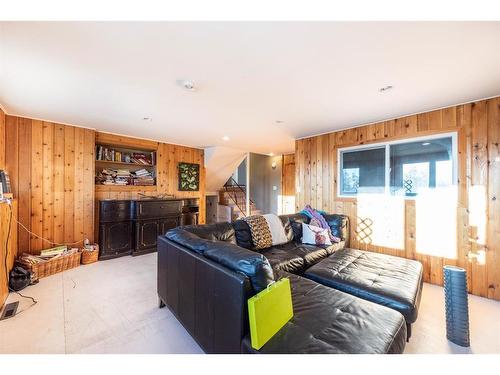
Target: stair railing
column 229, row 188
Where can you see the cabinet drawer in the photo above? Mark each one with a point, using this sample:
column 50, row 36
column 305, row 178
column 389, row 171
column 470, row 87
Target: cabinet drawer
column 157, row 209
column 113, row 211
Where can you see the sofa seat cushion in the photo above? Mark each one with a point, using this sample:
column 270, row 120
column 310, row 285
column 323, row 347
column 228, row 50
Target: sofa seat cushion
column 326, row 320
column 295, row 257
column 386, row 280
column 282, row 258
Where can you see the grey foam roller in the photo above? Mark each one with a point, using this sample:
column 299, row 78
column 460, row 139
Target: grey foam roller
column 456, row 305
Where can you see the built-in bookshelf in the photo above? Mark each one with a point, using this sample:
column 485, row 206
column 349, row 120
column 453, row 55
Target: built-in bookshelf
column 124, row 166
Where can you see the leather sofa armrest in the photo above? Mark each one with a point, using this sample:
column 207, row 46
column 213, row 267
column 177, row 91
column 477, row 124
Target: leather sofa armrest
column 252, row 264
column 188, row 239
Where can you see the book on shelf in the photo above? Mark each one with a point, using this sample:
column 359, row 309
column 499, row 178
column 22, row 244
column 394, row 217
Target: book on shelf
column 142, row 158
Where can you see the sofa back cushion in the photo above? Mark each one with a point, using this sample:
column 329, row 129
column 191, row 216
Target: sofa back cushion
column 243, row 234
column 215, row 232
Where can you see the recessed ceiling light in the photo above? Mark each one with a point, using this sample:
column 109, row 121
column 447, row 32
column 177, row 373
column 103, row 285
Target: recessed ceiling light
column 426, row 144
column 279, row 121
column 187, row 85
column 385, row 88
column 147, row 119
column 225, row 138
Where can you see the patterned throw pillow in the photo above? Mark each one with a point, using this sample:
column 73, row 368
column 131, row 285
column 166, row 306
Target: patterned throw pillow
column 261, row 234
column 315, row 235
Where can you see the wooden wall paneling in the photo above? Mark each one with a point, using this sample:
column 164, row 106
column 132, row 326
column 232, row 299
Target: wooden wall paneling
column 326, row 184
column 12, row 152
column 479, row 181
column 313, row 171
column 36, row 180
column 171, row 169
column 200, row 159
column 362, row 135
column 24, row 183
column 134, row 143
column 161, row 169
column 493, row 226
column 307, row 172
column 58, row 169
column 78, row 194
column 69, row 183
column 48, row 182
column 88, row 183
column 464, row 122
column 332, row 172
column 389, row 128
column 423, row 122
column 449, row 117
column 299, row 174
column 435, row 120
column 374, row 131
column 289, row 175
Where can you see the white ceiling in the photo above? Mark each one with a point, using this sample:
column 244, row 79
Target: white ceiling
column 316, row 77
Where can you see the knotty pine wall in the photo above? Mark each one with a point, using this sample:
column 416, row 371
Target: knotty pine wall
column 52, row 168
column 478, row 127
column 288, row 175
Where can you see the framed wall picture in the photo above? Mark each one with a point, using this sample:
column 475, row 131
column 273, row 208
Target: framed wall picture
column 189, row 177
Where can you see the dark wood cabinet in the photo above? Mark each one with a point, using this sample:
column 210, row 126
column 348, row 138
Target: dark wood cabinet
column 146, row 234
column 133, row 226
column 116, row 239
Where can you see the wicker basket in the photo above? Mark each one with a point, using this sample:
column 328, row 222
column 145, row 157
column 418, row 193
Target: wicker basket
column 89, row 257
column 53, row 266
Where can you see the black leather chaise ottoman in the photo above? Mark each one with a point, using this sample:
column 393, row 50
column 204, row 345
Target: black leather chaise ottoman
column 386, row 280
column 329, row 321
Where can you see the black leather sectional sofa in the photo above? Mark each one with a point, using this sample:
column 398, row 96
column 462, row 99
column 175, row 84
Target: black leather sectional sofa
column 344, row 300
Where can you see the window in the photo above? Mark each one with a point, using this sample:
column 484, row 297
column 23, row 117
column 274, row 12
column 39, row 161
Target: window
column 404, row 168
column 363, row 171
column 420, row 165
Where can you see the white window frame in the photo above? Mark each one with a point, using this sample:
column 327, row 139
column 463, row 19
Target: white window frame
column 387, row 144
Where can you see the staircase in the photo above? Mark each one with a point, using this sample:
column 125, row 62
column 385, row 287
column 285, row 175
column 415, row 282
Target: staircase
column 234, row 196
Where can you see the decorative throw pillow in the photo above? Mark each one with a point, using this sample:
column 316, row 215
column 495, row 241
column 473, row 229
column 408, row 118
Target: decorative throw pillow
column 261, row 233
column 315, row 235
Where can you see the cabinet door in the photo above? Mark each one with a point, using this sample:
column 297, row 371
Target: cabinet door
column 116, row 239
column 168, row 223
column 146, row 234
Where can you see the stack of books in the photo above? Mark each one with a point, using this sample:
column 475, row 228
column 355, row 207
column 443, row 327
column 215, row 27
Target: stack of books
column 122, row 177
column 140, row 158
column 142, row 177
